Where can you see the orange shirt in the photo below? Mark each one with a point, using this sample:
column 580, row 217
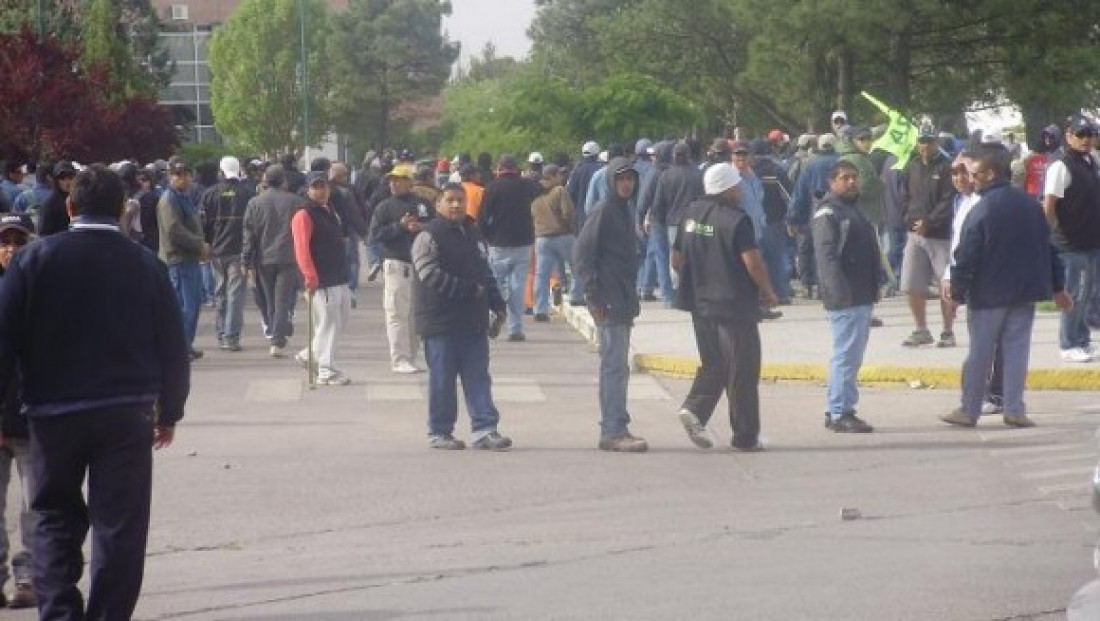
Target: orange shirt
column 474, row 192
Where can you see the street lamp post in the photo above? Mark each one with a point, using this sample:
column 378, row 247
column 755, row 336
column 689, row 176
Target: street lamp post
column 305, row 81
column 41, row 20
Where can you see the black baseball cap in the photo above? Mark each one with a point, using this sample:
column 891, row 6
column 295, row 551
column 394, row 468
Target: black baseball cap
column 19, row 222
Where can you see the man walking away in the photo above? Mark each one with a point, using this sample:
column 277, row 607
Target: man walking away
column 849, row 272
column 552, row 214
column 224, row 206
column 89, row 389
column 1003, row 265
column 455, row 292
column 606, row 261
column 722, row 275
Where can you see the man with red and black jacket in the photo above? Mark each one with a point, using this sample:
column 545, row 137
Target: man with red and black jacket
column 928, row 210
column 321, row 255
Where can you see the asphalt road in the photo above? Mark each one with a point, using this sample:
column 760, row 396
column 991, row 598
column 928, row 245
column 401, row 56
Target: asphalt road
column 277, row 502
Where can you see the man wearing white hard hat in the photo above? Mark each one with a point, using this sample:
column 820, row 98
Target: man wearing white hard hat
column 223, row 207
column 723, row 283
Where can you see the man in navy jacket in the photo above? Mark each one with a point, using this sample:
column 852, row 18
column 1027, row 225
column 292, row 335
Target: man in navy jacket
column 1004, row 264
column 91, row 322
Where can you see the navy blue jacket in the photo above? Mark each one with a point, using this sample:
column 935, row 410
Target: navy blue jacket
column 1005, row 256
column 90, row 320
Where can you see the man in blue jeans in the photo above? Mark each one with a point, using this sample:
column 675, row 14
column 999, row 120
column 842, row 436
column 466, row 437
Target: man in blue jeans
column 1071, row 203
column 455, row 293
column 505, row 222
column 183, row 247
column 606, row 261
column 849, row 275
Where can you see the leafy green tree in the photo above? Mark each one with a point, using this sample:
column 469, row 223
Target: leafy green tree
column 257, row 79
column 387, row 53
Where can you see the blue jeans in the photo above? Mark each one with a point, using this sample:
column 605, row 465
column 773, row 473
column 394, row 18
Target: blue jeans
column 614, row 378
column 186, row 277
column 893, row 244
column 850, row 328
column 1082, row 271
column 656, row 263
column 552, row 254
column 451, row 356
column 229, row 290
column 647, row 276
column 773, row 245
column 353, row 262
column 510, row 269
column 1007, row 327
column 208, row 285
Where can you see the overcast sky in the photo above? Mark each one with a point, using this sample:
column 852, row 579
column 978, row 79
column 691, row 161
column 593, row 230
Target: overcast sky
column 504, row 22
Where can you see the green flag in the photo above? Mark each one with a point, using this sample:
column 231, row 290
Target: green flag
column 901, row 135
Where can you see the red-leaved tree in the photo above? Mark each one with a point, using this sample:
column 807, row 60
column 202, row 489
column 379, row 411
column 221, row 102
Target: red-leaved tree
column 53, row 107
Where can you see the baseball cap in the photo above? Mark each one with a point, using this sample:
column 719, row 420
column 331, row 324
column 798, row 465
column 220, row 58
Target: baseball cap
column 230, row 167
column 316, row 177
column 643, row 146
column 402, row 170
column 19, row 222
column 839, row 114
column 739, row 146
column 720, row 178
column 64, row 168
column 624, row 167
column 1076, row 124
column 178, row 167
column 535, row 158
column 720, row 145
column 590, row 148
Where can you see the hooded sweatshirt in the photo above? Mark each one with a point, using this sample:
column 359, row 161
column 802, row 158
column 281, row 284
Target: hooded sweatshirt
column 605, row 256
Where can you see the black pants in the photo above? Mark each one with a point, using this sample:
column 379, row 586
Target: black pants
column 113, row 446
column 730, row 352
column 280, row 284
column 807, row 263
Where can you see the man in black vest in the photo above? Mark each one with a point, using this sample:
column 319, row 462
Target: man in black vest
column 723, row 282
column 89, row 387
column 455, row 291
column 321, row 254
column 1071, row 202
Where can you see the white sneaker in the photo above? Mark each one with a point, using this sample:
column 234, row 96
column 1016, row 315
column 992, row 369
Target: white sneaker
column 1076, row 354
column 276, row 351
column 406, row 367
column 988, row 407
column 336, row 379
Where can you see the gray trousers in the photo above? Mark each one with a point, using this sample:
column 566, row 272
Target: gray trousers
column 15, row 453
column 1007, row 327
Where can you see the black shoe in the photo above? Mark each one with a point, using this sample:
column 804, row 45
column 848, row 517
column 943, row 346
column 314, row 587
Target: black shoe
column 850, row 423
column 876, row 322
column 648, row 297
column 230, row 346
column 577, row 303
column 542, row 317
column 555, row 293
column 517, row 337
column 755, row 447
column 768, row 314
column 196, row 354
column 528, row 311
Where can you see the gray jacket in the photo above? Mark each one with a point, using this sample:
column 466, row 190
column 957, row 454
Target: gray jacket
column 267, row 237
column 181, row 237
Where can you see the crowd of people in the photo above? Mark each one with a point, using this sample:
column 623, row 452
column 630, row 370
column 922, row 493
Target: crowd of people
column 471, row 249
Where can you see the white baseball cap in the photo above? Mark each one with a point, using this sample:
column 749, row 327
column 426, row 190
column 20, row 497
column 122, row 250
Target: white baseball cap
column 534, row 158
column 590, row 148
column 230, row 167
column 720, row 177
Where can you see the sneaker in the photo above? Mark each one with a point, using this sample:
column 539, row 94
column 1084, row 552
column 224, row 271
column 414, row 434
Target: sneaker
column 196, row 354
column 770, row 314
column 648, row 296
column 303, row 359
column 1018, row 420
column 276, row 351
column 947, row 339
column 990, row 407
column 918, row 338
column 556, row 295
column 23, row 596
column 625, row 443
column 577, row 303
column 446, row 443
column 697, row 433
column 542, row 317
column 375, row 270
column 1077, row 354
column 354, row 302
column 958, row 418
column 492, row 441
column 517, row 337
column 336, row 379
column 528, row 311
column 755, row 447
column 406, row 367
column 230, row 346
column 850, row 423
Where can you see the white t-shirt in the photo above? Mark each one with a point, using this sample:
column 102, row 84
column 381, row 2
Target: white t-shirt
column 1057, row 179
column 965, row 205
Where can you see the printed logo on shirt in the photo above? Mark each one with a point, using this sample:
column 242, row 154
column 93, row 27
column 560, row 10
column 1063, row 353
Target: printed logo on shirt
column 698, row 228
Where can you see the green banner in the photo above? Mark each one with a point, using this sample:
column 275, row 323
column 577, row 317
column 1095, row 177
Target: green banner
column 901, row 135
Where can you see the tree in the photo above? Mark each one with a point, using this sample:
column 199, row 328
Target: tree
column 388, row 53
column 256, row 87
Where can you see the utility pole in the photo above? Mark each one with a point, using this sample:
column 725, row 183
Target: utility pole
column 41, row 20
column 303, row 59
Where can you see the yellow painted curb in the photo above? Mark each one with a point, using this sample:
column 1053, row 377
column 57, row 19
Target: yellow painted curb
column 918, row 377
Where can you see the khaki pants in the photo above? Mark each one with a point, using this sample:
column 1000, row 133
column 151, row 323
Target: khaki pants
column 330, row 314
column 397, row 302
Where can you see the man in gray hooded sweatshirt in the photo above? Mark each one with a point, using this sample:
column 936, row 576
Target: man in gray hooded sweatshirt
column 605, row 259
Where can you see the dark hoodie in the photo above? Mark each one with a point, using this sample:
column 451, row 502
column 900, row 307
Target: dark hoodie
column 578, row 185
column 605, row 257
column 648, row 192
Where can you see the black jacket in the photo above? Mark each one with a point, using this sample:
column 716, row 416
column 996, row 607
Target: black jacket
column 927, row 195
column 714, row 281
column 676, row 188
column 386, row 227
column 54, row 215
column 267, row 237
column 505, row 216
column 1004, row 256
column 223, row 208
column 605, row 256
column 577, row 186
column 454, row 289
column 846, row 250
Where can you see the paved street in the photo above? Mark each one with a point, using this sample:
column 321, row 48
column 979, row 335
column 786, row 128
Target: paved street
column 281, row 503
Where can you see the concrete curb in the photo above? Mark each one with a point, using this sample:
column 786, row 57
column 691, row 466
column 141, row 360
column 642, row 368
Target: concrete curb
column 915, row 377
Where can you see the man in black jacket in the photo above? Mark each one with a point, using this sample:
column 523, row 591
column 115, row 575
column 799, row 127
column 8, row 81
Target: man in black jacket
column 54, row 216
column 724, row 283
column 1003, row 265
column 849, row 275
column 676, row 188
column 89, row 395
column 395, row 223
column 223, row 208
column 505, row 222
column 455, row 292
column 606, row 261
